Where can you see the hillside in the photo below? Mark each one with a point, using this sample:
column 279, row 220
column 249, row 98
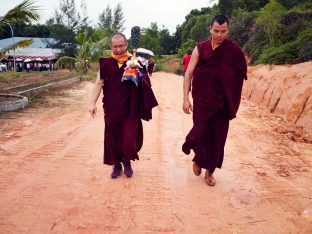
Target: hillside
column 284, row 90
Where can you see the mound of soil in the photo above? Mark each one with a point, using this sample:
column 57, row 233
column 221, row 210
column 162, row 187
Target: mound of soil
column 283, row 89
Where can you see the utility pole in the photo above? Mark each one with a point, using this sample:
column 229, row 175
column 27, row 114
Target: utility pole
column 14, row 65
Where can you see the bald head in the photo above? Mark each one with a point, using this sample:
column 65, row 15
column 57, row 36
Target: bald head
column 118, row 35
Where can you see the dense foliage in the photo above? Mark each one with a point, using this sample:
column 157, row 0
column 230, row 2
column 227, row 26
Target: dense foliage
column 269, row 31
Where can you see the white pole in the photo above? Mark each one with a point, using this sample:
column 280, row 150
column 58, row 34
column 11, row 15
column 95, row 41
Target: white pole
column 14, row 68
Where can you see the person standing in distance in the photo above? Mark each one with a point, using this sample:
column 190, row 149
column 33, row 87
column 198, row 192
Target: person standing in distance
column 186, row 59
column 216, row 71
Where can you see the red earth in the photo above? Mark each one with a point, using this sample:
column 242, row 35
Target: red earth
column 52, row 178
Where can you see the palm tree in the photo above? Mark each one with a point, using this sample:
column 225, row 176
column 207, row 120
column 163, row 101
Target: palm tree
column 26, row 11
column 92, row 47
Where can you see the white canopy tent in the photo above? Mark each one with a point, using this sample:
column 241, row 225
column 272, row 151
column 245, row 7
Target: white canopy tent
column 35, row 53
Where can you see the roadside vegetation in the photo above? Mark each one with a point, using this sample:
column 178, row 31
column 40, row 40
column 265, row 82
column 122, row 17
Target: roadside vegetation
column 169, row 63
column 269, row 31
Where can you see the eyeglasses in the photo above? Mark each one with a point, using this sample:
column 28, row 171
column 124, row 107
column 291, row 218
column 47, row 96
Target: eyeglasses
column 115, row 47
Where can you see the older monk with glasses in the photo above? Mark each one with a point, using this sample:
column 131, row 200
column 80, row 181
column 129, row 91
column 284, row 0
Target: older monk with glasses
column 125, row 104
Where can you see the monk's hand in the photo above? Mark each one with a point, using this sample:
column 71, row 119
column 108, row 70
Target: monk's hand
column 93, row 110
column 187, row 106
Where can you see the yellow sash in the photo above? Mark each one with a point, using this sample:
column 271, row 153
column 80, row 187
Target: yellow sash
column 121, row 58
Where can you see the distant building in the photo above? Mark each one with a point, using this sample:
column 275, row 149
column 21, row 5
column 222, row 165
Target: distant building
column 37, row 52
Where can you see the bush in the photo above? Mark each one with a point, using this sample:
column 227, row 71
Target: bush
column 291, row 52
column 254, row 46
column 285, row 53
column 190, row 43
column 2, row 78
column 65, row 63
column 169, row 63
column 305, row 53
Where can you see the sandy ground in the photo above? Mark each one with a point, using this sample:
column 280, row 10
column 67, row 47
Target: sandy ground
column 52, row 178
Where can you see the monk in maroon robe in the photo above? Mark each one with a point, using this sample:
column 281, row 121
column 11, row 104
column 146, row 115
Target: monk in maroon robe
column 150, row 66
column 216, row 70
column 124, row 104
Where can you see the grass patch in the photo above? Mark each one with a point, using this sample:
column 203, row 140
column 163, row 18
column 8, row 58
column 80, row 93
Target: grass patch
column 13, row 79
column 169, row 63
column 89, row 76
column 10, row 75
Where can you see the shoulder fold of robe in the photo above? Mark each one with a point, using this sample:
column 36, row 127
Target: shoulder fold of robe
column 148, row 98
column 218, row 79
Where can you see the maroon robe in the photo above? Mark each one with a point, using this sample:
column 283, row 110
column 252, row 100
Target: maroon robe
column 124, row 106
column 216, row 91
column 150, row 67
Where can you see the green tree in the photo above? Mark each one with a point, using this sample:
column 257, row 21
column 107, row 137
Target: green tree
column 242, row 26
column 91, row 48
column 152, row 30
column 150, row 39
column 190, row 43
column 288, row 4
column 167, row 42
column 196, row 25
column 119, row 20
column 64, row 26
column 68, row 15
column 251, row 5
column 178, row 36
column 200, row 31
column 22, row 29
column 112, row 20
column 106, row 18
column 226, row 7
column 66, row 62
column 83, row 56
column 270, row 18
column 186, row 29
column 254, row 46
column 26, row 11
column 293, row 23
column 64, row 37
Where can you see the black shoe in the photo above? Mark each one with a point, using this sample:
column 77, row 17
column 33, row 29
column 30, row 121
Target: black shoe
column 127, row 168
column 116, row 171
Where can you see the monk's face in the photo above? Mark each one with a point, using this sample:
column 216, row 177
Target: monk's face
column 118, row 45
column 218, row 32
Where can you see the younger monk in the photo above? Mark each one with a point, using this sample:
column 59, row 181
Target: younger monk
column 125, row 103
column 217, row 69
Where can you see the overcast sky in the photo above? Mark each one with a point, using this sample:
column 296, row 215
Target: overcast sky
column 167, row 13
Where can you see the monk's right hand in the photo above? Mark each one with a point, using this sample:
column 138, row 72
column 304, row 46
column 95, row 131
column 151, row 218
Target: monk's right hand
column 187, row 106
column 93, row 110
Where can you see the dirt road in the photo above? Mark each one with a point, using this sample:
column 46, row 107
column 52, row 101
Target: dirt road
column 52, row 178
